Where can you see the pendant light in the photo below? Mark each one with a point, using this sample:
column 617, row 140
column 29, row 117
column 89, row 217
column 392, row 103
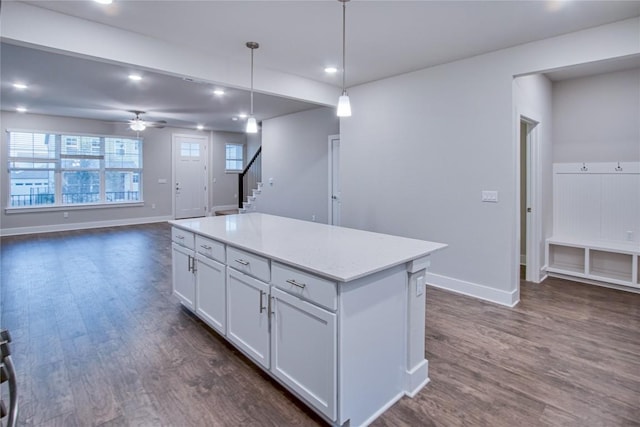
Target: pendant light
column 252, row 124
column 344, row 106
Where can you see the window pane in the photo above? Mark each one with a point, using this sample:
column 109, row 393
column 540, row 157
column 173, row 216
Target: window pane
column 31, row 165
column 122, row 186
column 123, row 153
column 32, row 145
column 80, row 187
column 80, row 164
column 234, row 156
column 85, row 145
column 32, row 188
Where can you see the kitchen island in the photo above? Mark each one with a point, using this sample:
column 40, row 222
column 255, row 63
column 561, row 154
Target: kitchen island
column 336, row 315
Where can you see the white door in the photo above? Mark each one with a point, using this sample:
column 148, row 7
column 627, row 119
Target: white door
column 211, row 293
column 334, row 180
column 190, row 175
column 248, row 315
column 183, row 275
column 303, row 345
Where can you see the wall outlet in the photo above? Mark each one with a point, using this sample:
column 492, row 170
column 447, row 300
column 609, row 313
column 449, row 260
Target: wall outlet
column 313, row 217
column 153, row 205
column 419, row 286
column 630, row 236
column 65, row 214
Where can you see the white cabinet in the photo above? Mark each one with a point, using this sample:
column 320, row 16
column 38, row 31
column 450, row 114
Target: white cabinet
column 248, row 315
column 211, row 293
column 303, row 350
column 184, row 280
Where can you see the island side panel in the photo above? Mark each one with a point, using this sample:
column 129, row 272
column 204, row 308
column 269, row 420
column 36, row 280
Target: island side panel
column 417, row 370
column 372, row 344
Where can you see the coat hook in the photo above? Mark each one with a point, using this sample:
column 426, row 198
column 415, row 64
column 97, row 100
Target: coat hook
column 619, row 168
column 584, row 168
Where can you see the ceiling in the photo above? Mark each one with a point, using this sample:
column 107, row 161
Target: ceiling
column 384, row 38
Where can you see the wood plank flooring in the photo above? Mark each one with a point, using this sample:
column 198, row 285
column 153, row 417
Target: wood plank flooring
column 100, row 341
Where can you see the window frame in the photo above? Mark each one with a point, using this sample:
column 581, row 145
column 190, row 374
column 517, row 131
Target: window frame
column 243, row 160
column 58, row 170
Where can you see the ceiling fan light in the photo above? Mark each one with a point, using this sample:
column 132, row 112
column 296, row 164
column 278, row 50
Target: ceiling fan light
column 138, row 125
column 344, row 106
column 252, row 125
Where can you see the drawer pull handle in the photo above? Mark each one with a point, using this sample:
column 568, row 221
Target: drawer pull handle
column 294, row 283
column 180, row 237
column 243, row 262
column 261, row 306
column 207, row 247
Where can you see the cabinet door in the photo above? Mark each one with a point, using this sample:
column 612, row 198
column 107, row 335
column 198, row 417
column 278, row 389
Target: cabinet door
column 211, row 293
column 248, row 315
column 303, row 346
column 184, row 283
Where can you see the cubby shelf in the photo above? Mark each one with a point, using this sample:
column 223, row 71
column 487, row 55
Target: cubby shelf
column 600, row 261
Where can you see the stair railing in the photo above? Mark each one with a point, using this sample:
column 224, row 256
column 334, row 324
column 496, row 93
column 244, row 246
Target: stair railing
column 250, row 176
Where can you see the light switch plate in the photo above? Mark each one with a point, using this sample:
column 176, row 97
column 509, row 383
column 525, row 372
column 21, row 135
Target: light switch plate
column 490, row 196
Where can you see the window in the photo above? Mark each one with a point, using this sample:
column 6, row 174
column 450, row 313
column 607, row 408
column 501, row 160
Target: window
column 234, row 157
column 61, row 169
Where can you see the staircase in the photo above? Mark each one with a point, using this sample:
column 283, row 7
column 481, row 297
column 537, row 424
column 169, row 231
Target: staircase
column 250, row 205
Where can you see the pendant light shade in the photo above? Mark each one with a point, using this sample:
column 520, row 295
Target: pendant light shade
column 252, row 124
column 138, row 125
column 344, row 106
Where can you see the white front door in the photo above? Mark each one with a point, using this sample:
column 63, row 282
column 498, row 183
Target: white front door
column 190, row 176
column 334, row 180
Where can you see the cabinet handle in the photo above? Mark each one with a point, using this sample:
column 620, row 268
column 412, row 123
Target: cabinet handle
column 179, row 237
column 207, row 247
column 243, row 262
column 189, row 263
column 261, row 307
column 294, row 283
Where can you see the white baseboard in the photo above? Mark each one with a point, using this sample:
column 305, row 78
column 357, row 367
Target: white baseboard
column 81, row 225
column 508, row 298
column 222, row 208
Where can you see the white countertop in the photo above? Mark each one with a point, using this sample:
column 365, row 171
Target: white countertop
column 342, row 254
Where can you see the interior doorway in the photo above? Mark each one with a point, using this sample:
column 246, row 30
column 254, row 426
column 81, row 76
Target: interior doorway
column 529, row 203
column 190, row 154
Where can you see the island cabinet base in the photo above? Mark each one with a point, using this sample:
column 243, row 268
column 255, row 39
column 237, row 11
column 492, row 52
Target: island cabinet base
column 347, row 345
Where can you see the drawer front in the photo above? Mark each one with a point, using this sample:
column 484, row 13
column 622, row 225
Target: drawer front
column 183, row 238
column 210, row 248
column 248, row 263
column 305, row 285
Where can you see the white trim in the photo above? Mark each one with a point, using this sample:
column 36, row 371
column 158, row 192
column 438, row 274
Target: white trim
column 417, row 378
column 81, row 225
column 222, row 208
column 330, row 140
column 572, row 278
column 382, row 409
column 74, row 133
column 508, row 298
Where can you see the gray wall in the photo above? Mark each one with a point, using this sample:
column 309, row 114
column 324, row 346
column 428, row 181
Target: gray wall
column 420, row 148
column 596, row 118
column 157, row 163
column 295, row 155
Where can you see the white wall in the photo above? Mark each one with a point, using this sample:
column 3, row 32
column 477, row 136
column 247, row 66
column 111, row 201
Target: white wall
column 421, row 147
column 596, row 118
column 295, row 155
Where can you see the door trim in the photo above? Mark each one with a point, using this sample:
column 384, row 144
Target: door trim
column 174, row 151
column 330, row 140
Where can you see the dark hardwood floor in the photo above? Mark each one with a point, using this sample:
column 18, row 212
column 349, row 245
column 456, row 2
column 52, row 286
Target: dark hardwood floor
column 98, row 340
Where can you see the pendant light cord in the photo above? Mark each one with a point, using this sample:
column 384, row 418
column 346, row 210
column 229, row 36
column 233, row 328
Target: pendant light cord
column 252, row 81
column 344, row 30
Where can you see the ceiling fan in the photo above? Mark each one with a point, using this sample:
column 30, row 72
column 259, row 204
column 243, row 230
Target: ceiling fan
column 139, row 125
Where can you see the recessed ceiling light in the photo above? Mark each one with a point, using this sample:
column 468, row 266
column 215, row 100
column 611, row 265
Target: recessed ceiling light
column 331, row 70
column 104, row 1
column 20, row 86
column 218, row 92
column 21, row 109
column 135, row 77
column 242, row 115
column 199, row 127
column 235, row 119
